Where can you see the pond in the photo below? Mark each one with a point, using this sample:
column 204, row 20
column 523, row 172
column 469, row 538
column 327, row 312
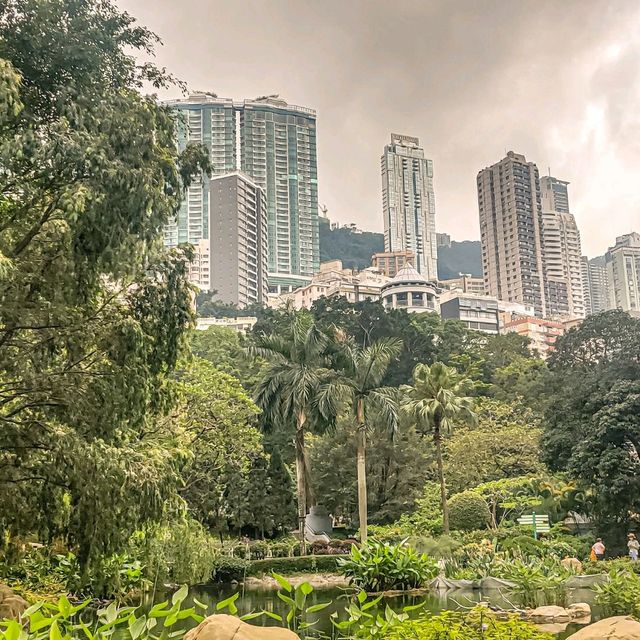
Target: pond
column 263, row 598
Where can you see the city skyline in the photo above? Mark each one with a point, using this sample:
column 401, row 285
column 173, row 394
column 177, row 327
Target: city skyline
column 557, row 85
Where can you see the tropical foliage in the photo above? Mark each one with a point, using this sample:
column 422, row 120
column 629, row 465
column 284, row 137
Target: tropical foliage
column 379, row 566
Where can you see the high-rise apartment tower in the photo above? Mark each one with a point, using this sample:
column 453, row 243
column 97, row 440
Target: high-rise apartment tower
column 408, row 202
column 595, row 285
column 562, row 253
column 274, row 143
column 510, row 207
column 238, row 244
column 623, row 273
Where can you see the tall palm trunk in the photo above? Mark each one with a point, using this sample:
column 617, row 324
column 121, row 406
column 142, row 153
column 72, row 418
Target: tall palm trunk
column 361, row 445
column 301, row 479
column 437, row 441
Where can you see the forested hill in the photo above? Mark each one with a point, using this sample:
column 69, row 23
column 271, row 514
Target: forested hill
column 460, row 257
column 354, row 249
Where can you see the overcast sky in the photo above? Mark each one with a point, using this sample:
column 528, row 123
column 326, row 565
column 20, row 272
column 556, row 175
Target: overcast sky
column 558, row 81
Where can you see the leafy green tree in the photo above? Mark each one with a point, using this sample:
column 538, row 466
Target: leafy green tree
column 436, row 401
column 93, row 309
column 606, row 456
column 280, row 502
column 509, row 497
column 291, row 385
column 361, row 371
column 215, row 420
column 523, row 379
column 504, row 444
column 591, row 423
column 397, row 465
column 226, row 349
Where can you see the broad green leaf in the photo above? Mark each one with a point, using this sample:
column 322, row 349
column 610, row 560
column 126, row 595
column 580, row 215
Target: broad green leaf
column 137, row 627
column 180, row 594
column 283, row 582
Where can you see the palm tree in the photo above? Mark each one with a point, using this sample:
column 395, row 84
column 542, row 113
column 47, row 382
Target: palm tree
column 289, row 388
column 436, row 401
column 361, row 370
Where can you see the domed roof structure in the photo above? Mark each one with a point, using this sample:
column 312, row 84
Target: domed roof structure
column 410, row 290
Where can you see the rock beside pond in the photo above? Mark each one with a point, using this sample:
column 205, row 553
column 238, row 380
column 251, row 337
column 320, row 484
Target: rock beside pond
column 579, row 610
column 12, row 606
column 550, row 614
column 618, row 628
column 224, row 627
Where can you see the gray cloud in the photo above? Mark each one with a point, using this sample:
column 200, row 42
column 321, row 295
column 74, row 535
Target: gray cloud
column 556, row 80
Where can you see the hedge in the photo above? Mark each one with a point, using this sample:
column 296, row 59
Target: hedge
column 299, row 564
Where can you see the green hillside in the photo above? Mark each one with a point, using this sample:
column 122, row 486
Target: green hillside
column 460, row 257
column 354, row 249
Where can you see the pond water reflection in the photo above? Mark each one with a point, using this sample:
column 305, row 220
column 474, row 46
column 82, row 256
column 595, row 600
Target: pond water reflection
column 257, row 599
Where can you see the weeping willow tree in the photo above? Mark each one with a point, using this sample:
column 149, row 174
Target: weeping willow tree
column 93, row 309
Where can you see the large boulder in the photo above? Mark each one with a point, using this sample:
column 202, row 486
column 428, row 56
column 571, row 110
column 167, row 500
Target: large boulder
column 618, row 628
column 224, row 627
column 12, row 606
column 572, row 564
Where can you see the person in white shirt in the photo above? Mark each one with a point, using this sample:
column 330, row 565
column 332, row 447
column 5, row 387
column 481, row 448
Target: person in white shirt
column 599, row 549
column 633, row 546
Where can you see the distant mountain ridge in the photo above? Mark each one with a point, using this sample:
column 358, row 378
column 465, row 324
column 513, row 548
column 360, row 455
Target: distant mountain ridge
column 356, row 248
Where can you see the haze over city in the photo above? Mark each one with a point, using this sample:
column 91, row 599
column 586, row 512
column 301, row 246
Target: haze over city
column 557, row 82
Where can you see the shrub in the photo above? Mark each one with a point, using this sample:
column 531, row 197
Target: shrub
column 297, row 564
column 258, row 550
column 468, row 511
column 442, row 547
column 229, row 569
column 378, row 566
column 480, row 624
column 621, row 594
column 280, row 549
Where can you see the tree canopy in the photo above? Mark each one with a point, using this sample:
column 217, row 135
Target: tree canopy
column 93, row 309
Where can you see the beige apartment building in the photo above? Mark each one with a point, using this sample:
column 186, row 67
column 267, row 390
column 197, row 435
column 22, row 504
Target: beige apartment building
column 510, row 208
column 542, row 333
column 390, row 262
column 564, row 291
column 465, row 283
column 238, row 239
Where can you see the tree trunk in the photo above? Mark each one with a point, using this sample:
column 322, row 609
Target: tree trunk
column 437, row 440
column 301, row 480
column 361, row 435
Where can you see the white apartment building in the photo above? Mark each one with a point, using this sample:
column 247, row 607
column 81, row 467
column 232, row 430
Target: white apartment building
column 199, row 267
column 623, row 273
column 408, row 203
column 333, row 280
column 595, row 284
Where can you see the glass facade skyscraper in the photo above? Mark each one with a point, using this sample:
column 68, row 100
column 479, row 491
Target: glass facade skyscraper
column 408, row 202
column 275, row 144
